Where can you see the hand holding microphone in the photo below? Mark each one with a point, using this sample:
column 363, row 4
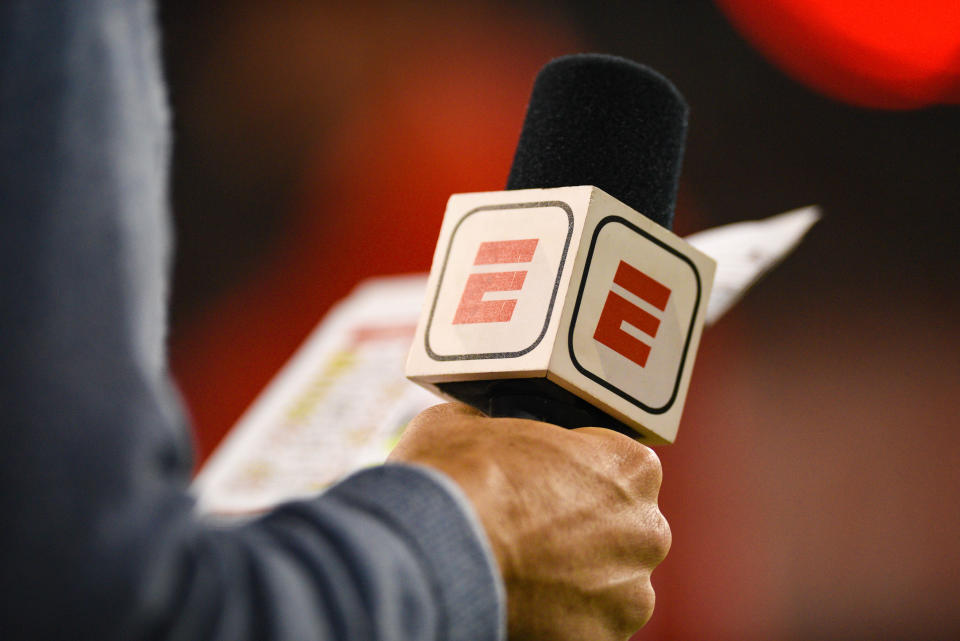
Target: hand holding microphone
column 571, row 516
column 556, row 300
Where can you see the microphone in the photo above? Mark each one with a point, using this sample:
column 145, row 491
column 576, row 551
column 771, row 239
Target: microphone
column 566, row 298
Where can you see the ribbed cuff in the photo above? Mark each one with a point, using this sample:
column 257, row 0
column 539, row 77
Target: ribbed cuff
column 433, row 514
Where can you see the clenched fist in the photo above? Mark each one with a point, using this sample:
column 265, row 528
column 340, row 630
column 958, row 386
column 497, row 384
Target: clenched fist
column 571, row 515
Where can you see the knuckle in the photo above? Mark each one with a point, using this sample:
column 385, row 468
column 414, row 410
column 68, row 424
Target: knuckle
column 647, row 599
column 661, row 538
column 632, row 453
column 645, row 468
column 637, row 607
column 649, row 459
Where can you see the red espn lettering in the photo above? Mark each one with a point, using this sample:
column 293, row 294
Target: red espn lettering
column 506, row 251
column 618, row 310
column 472, row 307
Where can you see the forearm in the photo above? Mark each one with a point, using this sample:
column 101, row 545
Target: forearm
column 388, row 554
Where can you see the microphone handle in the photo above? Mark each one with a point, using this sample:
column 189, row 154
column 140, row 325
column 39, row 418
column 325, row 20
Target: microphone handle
column 536, row 399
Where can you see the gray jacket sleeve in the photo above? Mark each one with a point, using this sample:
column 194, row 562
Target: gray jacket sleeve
column 98, row 535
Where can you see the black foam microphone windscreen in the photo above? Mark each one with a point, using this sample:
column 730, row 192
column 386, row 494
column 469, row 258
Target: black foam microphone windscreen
column 605, row 121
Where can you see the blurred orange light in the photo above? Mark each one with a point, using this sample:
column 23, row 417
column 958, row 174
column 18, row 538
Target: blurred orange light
column 891, row 54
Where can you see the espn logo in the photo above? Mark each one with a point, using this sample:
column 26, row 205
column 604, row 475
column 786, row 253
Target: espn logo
column 473, row 308
column 499, row 281
column 635, row 315
column 618, row 311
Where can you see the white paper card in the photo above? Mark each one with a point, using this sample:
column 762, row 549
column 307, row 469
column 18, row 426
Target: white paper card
column 342, row 401
column 746, row 251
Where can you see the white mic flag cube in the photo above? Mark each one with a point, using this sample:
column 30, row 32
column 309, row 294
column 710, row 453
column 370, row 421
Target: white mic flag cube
column 567, row 301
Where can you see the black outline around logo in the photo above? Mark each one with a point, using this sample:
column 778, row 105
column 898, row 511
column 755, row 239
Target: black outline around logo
column 576, row 310
column 553, row 296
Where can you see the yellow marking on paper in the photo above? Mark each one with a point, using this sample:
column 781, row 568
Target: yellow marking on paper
column 319, row 385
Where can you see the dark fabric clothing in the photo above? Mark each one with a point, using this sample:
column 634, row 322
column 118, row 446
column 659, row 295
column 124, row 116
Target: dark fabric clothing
column 99, row 536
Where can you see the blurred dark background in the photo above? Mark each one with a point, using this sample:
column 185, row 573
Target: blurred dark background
column 814, row 488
